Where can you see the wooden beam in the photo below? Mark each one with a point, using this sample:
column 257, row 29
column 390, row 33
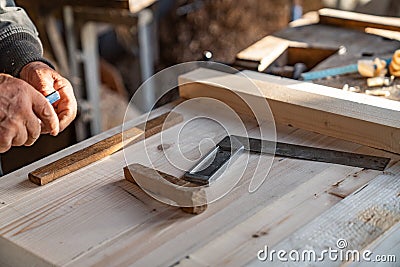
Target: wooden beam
column 357, row 21
column 358, row 118
column 102, row 149
column 165, row 185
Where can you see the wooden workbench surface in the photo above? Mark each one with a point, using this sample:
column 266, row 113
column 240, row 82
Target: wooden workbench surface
column 95, row 217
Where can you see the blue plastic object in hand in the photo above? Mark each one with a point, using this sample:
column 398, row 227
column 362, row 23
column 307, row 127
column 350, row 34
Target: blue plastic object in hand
column 53, row 97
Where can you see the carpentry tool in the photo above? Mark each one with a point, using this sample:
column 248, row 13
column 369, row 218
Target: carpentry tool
column 102, row 149
column 352, row 68
column 213, row 164
column 53, row 97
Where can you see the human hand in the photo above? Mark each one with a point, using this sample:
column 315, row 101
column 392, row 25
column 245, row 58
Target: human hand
column 46, row 80
column 23, row 113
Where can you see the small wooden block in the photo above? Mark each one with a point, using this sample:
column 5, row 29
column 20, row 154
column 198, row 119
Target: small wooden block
column 162, row 184
column 102, row 149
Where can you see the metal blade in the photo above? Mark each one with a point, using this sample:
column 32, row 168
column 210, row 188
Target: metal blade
column 213, row 163
column 310, row 153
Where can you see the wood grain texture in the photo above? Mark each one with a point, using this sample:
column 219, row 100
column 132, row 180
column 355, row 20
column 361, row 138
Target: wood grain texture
column 97, row 218
column 283, row 217
column 163, row 184
column 359, row 118
column 357, row 20
column 102, row 149
column 361, row 218
column 387, row 245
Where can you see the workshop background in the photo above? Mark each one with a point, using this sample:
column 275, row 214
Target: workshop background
column 123, row 49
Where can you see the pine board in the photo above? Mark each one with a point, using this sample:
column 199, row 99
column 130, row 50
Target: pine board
column 95, row 217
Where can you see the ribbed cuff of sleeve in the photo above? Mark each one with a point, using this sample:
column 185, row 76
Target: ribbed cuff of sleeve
column 17, row 50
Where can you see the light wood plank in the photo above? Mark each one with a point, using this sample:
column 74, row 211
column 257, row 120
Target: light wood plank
column 355, row 20
column 167, row 247
column 69, row 208
column 274, row 222
column 359, row 118
column 361, row 218
column 95, row 217
column 394, row 35
column 387, row 245
column 265, row 51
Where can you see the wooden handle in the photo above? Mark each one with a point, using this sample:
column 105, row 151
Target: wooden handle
column 164, row 185
column 102, row 149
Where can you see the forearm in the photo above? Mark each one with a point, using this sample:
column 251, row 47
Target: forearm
column 19, row 42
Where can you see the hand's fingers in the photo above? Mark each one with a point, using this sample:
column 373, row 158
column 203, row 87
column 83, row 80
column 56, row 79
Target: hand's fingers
column 5, row 147
column 45, row 112
column 20, row 135
column 5, row 139
column 40, row 76
column 45, row 84
column 66, row 117
column 67, row 107
column 46, row 80
column 33, row 128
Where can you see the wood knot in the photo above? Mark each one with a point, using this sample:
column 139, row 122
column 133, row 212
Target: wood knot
column 258, row 234
column 163, row 147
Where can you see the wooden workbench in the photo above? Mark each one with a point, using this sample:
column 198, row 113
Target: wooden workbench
column 95, row 217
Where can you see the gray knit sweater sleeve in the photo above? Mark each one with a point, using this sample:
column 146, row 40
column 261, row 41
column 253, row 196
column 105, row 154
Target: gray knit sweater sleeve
column 19, row 41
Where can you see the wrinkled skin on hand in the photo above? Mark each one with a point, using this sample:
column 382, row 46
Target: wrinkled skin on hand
column 24, row 114
column 46, row 80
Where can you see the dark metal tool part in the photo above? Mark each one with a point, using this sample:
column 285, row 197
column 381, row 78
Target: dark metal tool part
column 214, row 162
column 204, row 172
